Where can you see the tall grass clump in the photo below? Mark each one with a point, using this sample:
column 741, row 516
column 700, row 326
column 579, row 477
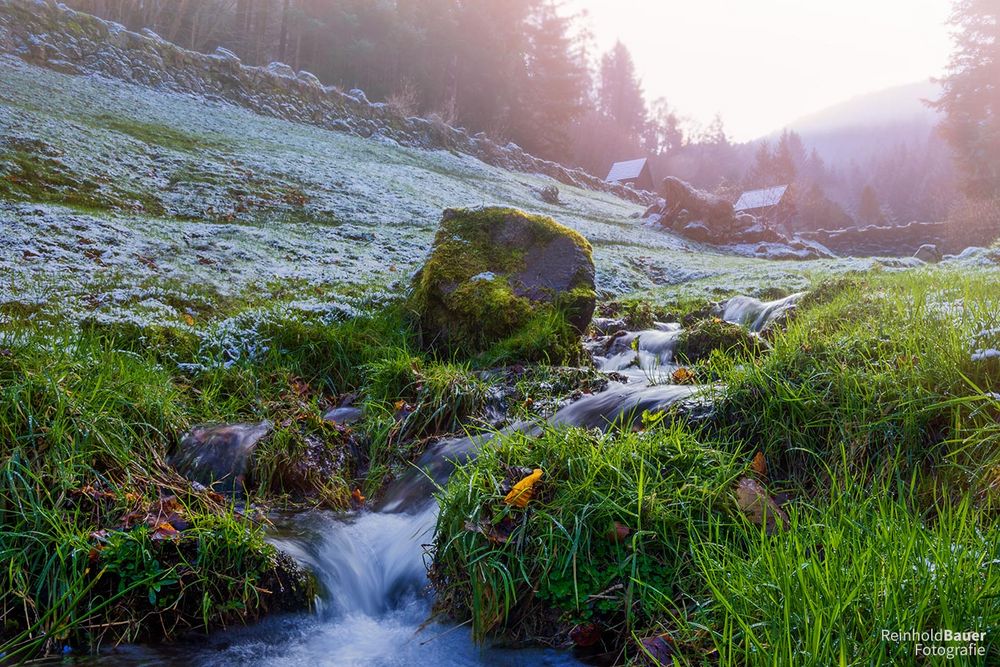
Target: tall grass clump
column 875, row 376
column 89, row 509
column 605, row 537
column 846, row 569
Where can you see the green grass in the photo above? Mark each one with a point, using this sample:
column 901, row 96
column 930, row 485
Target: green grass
column 821, row 592
column 90, row 411
column 877, row 427
column 559, row 551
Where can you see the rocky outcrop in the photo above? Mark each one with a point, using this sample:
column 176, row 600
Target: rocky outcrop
column 707, row 218
column 54, row 36
column 493, row 270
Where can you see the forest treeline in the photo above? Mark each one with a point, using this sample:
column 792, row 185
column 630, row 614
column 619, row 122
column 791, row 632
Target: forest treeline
column 527, row 71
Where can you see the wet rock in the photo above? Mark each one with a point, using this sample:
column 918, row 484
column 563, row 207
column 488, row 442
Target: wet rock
column 492, row 270
column 929, row 253
column 347, row 414
column 218, row 455
column 605, row 326
column 290, row 587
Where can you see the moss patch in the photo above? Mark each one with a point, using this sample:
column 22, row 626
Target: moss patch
column 698, row 341
column 474, row 291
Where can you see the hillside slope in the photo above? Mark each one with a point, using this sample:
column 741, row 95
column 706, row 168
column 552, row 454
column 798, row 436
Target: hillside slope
column 123, row 201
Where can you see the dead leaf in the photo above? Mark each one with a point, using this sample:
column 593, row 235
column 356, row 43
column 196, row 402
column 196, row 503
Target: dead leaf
column 357, row 497
column 497, row 533
column 759, row 466
column 683, row 375
column 188, row 320
column 523, row 490
column 658, row 650
column 754, row 501
column 587, row 634
column 618, row 532
column 164, row 531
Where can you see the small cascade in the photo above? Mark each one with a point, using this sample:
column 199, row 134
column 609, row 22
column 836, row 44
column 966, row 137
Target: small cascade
column 756, row 315
column 371, row 566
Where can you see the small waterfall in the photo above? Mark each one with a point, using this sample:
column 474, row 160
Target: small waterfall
column 755, row 314
column 375, row 606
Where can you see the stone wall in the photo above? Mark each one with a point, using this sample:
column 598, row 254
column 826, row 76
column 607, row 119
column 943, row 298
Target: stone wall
column 54, row 36
column 890, row 240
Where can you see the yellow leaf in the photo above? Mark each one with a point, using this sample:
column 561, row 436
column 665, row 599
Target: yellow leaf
column 189, row 320
column 683, row 376
column 523, row 490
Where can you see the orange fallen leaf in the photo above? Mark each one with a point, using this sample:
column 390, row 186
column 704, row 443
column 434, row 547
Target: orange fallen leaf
column 188, row 320
column 682, row 376
column 523, row 490
column 759, row 466
column 164, row 531
column 357, row 497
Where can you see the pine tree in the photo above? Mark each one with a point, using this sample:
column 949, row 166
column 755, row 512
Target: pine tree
column 620, row 95
column 971, row 97
column 869, row 209
column 558, row 82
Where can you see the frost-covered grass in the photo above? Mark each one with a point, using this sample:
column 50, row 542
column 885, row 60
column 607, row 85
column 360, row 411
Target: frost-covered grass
column 879, row 434
column 137, row 188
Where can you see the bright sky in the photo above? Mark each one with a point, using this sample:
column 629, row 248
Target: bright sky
column 765, row 63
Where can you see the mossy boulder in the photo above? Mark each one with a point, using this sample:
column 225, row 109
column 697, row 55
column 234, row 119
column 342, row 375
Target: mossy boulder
column 698, row 341
column 494, row 273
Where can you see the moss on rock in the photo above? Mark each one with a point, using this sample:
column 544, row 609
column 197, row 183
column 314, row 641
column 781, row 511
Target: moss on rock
column 495, row 271
column 698, row 341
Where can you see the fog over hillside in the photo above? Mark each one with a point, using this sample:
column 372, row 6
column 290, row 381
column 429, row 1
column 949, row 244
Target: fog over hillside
column 863, row 126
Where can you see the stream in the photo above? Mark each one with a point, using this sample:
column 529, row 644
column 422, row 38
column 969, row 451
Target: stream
column 375, row 605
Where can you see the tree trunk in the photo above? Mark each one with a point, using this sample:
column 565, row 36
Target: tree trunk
column 283, row 41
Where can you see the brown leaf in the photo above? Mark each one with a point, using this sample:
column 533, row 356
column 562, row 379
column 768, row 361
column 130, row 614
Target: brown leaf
column 164, row 531
column 759, row 466
column 586, row 634
column 496, row 533
column 618, row 532
column 523, row 490
column 658, row 650
column 357, row 497
column 753, row 500
column 682, row 375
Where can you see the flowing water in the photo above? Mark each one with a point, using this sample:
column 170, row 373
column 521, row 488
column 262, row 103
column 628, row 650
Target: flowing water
column 375, row 609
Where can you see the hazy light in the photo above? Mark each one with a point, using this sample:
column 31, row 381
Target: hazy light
column 764, row 63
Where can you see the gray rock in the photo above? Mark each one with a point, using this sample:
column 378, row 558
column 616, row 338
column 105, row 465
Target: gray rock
column 929, row 253
column 605, row 326
column 347, row 414
column 532, row 261
column 219, row 455
column 281, row 69
column 226, row 54
column 310, row 78
column 359, row 95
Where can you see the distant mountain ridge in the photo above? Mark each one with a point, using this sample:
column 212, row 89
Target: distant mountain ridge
column 866, row 125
